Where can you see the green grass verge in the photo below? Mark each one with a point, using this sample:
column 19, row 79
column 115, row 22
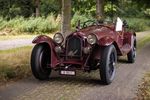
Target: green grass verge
column 144, row 88
column 14, row 63
column 143, row 41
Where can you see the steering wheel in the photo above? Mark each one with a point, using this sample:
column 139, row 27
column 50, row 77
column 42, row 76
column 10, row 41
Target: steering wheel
column 89, row 23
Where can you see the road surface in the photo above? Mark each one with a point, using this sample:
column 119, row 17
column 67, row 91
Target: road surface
column 8, row 44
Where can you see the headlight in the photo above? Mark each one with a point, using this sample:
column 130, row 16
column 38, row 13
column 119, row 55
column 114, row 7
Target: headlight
column 91, row 39
column 58, row 49
column 58, row 38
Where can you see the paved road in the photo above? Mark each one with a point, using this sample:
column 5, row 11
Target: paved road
column 85, row 86
column 8, row 44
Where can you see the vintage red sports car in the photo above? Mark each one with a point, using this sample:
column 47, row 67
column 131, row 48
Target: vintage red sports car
column 94, row 45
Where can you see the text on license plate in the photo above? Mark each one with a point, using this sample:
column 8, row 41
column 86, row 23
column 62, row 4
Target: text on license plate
column 62, row 72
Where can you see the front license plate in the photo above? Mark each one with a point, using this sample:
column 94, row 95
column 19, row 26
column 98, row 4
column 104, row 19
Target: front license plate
column 64, row 72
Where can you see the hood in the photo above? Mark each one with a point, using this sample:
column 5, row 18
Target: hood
column 100, row 31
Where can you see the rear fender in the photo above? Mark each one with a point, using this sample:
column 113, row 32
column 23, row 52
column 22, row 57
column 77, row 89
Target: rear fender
column 43, row 39
column 130, row 39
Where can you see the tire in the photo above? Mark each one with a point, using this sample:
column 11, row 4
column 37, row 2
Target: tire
column 40, row 57
column 108, row 62
column 132, row 54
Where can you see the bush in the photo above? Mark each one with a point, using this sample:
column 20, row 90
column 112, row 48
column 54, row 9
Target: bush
column 51, row 24
column 77, row 16
column 147, row 12
column 40, row 25
column 138, row 24
column 31, row 25
column 2, row 23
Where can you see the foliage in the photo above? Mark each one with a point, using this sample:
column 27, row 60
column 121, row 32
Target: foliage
column 147, row 12
column 138, row 24
column 142, row 3
column 31, row 25
column 84, row 6
column 12, row 8
column 110, row 9
column 77, row 16
column 50, row 6
column 51, row 24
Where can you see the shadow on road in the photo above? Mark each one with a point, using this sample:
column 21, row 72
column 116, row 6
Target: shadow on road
column 81, row 78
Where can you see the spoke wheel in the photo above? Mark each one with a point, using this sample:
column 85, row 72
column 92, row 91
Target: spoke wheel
column 108, row 64
column 132, row 54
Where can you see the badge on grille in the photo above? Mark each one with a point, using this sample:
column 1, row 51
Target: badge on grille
column 72, row 53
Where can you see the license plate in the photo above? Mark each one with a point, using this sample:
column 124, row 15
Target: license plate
column 64, row 72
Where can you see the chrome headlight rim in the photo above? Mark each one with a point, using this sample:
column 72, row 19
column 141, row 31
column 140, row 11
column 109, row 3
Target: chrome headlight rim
column 91, row 39
column 58, row 38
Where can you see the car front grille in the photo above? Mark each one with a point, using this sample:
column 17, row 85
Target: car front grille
column 73, row 47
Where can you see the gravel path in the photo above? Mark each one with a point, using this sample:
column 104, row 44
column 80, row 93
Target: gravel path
column 85, row 86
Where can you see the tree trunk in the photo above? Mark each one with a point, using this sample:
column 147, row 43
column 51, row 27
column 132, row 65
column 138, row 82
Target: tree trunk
column 37, row 8
column 66, row 17
column 99, row 8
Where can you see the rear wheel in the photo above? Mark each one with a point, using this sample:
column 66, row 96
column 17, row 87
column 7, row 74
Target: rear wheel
column 132, row 54
column 108, row 62
column 40, row 58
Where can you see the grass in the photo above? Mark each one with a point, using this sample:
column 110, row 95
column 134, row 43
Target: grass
column 143, row 41
column 14, row 63
column 144, row 88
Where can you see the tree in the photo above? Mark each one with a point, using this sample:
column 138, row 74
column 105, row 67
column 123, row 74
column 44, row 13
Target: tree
column 50, row 6
column 37, row 8
column 66, row 17
column 99, row 8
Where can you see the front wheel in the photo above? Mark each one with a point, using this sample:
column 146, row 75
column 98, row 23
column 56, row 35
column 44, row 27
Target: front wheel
column 108, row 62
column 40, row 58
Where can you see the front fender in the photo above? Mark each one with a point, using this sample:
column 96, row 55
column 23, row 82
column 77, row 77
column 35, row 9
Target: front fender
column 105, row 41
column 45, row 39
column 42, row 39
